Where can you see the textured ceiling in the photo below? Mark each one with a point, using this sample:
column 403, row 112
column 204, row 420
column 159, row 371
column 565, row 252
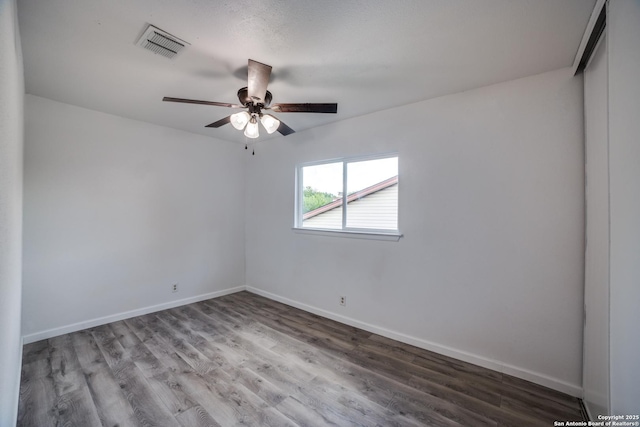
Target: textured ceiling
column 366, row 55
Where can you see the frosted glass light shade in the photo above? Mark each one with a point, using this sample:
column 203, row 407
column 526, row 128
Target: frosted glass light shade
column 270, row 123
column 240, row 120
column 251, row 130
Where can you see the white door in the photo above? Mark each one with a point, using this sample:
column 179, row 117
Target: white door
column 596, row 328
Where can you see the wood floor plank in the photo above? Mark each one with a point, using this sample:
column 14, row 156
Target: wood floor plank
column 212, row 335
column 331, row 415
column 211, row 394
column 111, row 404
column 108, row 344
column 275, row 310
column 257, row 407
column 481, row 407
column 146, row 361
column 423, row 406
column 67, row 381
column 402, row 371
column 87, row 350
column 139, row 329
column 387, row 392
column 230, row 326
column 336, row 329
column 357, row 406
column 170, row 391
column 374, row 387
column 259, row 385
column 65, row 366
column 147, row 406
column 303, row 416
column 196, row 417
column 35, row 351
column 534, row 396
column 124, row 334
column 174, row 339
column 165, row 356
column 281, row 381
column 76, row 408
column 35, row 369
column 538, row 408
column 37, row 400
column 423, row 413
column 62, row 354
column 268, row 359
column 244, row 360
column 298, row 330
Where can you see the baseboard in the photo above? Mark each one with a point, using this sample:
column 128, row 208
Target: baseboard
column 495, row 365
column 54, row 332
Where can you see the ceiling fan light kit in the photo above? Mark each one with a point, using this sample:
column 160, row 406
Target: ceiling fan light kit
column 270, row 123
column 255, row 98
column 249, row 123
column 251, row 131
column 240, row 120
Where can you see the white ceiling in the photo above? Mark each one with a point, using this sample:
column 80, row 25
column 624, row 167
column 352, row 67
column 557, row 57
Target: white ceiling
column 366, row 55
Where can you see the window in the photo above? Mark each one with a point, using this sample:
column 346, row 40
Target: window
column 359, row 195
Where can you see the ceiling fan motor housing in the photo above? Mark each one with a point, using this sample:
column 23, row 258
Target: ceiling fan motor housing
column 245, row 99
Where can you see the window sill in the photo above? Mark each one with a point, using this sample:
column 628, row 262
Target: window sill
column 391, row 236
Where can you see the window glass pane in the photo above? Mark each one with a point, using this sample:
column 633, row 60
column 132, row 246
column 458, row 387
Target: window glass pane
column 372, row 194
column 322, row 196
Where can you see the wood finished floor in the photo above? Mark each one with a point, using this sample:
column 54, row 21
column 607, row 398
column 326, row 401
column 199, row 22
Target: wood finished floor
column 245, row 360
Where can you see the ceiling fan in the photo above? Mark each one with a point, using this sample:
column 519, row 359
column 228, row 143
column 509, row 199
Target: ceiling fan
column 256, row 98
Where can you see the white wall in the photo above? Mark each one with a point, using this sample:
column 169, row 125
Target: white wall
column 116, row 211
column 11, row 146
column 491, row 206
column 623, row 26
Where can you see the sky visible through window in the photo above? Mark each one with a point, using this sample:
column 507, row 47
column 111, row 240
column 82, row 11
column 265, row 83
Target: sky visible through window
column 328, row 177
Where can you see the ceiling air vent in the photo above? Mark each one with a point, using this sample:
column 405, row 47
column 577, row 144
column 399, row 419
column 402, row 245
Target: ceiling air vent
column 161, row 42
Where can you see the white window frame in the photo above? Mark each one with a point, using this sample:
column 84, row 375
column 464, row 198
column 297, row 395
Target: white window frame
column 361, row 233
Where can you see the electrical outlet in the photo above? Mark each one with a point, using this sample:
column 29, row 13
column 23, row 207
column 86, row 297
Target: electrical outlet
column 343, row 300
column 174, row 287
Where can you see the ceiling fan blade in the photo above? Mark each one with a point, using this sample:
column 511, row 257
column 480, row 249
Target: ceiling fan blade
column 195, row 101
column 258, row 79
column 284, row 129
column 305, row 108
column 219, row 123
